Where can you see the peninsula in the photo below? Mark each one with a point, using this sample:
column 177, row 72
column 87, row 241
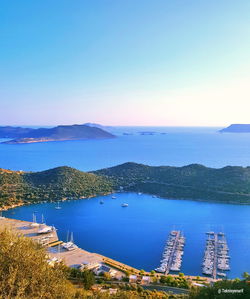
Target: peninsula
column 229, row 184
column 237, row 128
column 60, row 133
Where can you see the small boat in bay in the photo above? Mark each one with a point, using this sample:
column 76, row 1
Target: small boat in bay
column 58, row 206
column 124, row 205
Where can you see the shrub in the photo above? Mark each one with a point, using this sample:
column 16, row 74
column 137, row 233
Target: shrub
column 25, row 272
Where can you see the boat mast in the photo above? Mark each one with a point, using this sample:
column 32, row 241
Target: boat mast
column 34, row 218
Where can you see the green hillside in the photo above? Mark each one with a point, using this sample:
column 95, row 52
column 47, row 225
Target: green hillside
column 53, row 184
column 228, row 184
column 197, row 182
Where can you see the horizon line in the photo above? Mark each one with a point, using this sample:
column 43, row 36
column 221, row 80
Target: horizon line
column 107, row 125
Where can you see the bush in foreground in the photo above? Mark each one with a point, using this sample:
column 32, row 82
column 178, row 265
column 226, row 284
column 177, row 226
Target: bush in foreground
column 25, row 273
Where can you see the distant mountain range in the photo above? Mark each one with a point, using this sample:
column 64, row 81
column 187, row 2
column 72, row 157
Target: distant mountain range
column 60, row 133
column 237, row 128
column 229, row 184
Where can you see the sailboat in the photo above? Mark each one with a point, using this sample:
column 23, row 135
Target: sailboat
column 69, row 245
column 58, row 206
column 34, row 223
column 43, row 221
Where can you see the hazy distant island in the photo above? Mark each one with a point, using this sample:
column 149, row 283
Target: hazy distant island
column 147, row 133
column 237, row 128
column 106, row 128
column 60, row 133
column 230, row 184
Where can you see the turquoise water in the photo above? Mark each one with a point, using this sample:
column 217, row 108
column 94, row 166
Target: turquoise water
column 136, row 235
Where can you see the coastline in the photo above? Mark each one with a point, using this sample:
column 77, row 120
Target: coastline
column 156, row 218
column 71, row 257
column 42, row 140
column 9, row 207
column 13, row 206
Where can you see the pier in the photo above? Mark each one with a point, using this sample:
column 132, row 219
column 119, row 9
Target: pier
column 216, row 255
column 172, row 254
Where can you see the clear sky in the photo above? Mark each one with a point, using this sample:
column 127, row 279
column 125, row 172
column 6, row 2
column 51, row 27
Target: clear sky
column 125, row 62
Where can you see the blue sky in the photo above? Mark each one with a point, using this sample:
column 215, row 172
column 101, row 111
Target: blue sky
column 127, row 62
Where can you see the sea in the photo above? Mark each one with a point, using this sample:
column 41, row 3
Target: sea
column 136, row 235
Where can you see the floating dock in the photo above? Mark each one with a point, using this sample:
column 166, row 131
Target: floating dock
column 216, row 255
column 172, row 254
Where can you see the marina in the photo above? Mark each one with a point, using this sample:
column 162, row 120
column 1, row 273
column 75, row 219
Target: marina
column 77, row 257
column 172, row 254
column 146, row 223
column 216, row 256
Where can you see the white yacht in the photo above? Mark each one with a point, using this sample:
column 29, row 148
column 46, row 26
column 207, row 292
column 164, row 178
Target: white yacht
column 124, row 205
column 44, row 229
column 70, row 244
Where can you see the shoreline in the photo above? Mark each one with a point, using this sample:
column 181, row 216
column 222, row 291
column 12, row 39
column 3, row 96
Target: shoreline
column 70, row 257
column 34, row 140
column 134, row 197
column 13, row 206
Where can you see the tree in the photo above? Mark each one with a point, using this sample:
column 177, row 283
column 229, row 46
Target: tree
column 154, row 279
column 163, row 279
column 88, row 279
column 25, row 272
